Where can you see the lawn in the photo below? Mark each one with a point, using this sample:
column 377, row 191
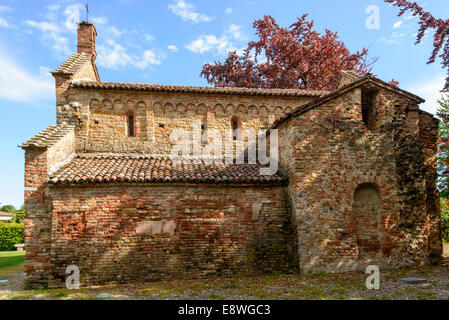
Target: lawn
column 11, row 262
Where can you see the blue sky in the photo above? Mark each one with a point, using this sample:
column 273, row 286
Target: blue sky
column 168, row 42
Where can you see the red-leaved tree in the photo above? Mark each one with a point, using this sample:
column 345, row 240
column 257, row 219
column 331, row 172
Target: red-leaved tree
column 294, row 57
column 428, row 22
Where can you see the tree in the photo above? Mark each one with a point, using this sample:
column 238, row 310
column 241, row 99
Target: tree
column 428, row 22
column 443, row 147
column 294, row 57
column 8, row 208
column 20, row 216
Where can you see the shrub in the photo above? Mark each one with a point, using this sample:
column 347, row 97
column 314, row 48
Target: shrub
column 445, row 219
column 18, row 218
column 11, row 234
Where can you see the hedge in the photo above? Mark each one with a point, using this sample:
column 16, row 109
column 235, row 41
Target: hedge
column 445, row 228
column 11, row 234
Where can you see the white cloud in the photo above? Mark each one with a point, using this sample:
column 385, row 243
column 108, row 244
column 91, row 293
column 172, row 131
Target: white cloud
column 148, row 58
column 52, row 34
column 112, row 55
column 44, row 26
column 61, row 26
column 54, row 7
column 172, row 48
column 206, row 43
column 5, row 9
column 115, row 56
column 185, row 11
column 6, row 24
column 116, row 32
column 219, row 45
column 19, row 85
column 228, row 11
column 397, row 25
column 430, row 91
column 393, row 39
column 99, row 20
column 149, row 37
column 234, row 30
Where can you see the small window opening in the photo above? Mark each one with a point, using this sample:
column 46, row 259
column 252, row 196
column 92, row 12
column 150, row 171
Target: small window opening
column 161, row 125
column 235, row 127
column 131, row 132
column 369, row 108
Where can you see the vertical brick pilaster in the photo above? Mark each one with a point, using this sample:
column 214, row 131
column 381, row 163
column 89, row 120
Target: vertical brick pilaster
column 37, row 219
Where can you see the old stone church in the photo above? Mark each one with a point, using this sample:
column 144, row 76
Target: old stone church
column 356, row 183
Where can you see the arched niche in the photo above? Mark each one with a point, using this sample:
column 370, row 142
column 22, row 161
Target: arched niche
column 366, row 210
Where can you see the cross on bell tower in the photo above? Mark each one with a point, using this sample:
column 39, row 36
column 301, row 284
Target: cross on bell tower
column 87, row 12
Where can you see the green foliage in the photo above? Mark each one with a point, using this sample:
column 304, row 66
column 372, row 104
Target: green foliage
column 8, row 208
column 443, row 152
column 18, row 218
column 445, row 219
column 11, row 234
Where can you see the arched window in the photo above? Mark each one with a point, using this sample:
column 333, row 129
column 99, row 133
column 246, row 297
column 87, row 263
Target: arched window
column 131, row 126
column 235, row 126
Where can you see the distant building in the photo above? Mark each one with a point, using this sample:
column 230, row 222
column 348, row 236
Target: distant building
column 6, row 216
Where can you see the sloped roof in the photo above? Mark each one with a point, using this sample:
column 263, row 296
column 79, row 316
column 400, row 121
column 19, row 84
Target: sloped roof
column 7, row 214
column 48, row 137
column 92, row 168
column 192, row 89
column 73, row 64
column 335, row 94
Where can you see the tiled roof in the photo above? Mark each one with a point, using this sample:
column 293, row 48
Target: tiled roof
column 73, row 64
column 190, row 89
column 367, row 79
column 142, row 169
column 7, row 214
column 48, row 137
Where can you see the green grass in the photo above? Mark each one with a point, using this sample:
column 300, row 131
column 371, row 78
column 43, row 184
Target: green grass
column 11, row 258
column 11, row 262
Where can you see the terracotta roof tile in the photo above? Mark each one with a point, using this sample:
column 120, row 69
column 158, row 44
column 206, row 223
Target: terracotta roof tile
column 190, row 89
column 368, row 78
column 148, row 169
column 73, row 64
column 48, row 137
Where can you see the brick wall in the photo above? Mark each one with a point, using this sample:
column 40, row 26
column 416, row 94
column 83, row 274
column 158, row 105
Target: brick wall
column 329, row 152
column 102, row 116
column 130, row 232
column 428, row 133
column 39, row 162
